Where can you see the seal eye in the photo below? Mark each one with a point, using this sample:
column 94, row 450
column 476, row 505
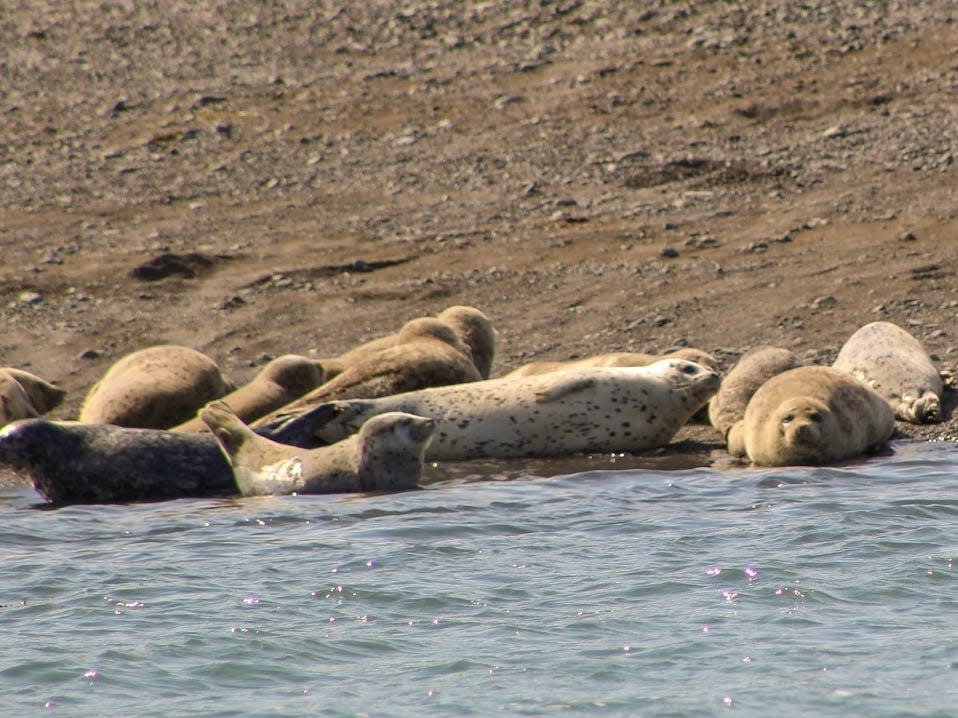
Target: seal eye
column 816, row 417
column 788, row 418
column 688, row 369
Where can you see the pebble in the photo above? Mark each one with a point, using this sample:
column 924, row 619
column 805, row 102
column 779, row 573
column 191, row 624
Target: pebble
column 669, row 252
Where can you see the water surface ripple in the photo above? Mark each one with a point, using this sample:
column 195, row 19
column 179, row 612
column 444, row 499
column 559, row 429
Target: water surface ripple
column 828, row 591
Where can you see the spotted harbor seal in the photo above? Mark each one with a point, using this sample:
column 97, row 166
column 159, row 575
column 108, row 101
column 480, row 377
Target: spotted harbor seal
column 281, row 381
column 811, row 415
column 70, row 462
column 614, row 359
column 753, row 369
column 896, row 365
column 435, row 357
column 386, row 455
column 602, row 409
column 154, row 388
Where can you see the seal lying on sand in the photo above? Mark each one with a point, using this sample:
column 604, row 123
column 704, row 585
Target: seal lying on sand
column 601, row 409
column 430, row 355
column 753, row 369
column 811, row 415
column 896, row 365
column 154, row 388
column 281, row 381
column 24, row 395
column 386, row 455
column 70, row 462
column 471, row 333
column 614, row 359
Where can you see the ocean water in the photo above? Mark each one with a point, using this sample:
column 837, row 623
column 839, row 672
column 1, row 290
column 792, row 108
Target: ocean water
column 690, row 592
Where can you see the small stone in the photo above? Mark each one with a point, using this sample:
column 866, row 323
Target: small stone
column 30, row 297
column 669, row 252
column 670, row 225
column 907, row 237
column 90, row 354
column 824, row 302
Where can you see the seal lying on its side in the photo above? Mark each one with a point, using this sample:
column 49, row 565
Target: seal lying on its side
column 42, row 395
column 154, row 388
column 753, row 369
column 896, row 365
column 430, row 355
column 811, row 415
column 601, row 409
column 386, row 455
column 614, row 359
column 70, row 462
column 281, row 381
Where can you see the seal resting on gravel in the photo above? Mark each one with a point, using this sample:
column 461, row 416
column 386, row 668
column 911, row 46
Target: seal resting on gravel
column 282, row 380
column 70, row 462
column 896, row 365
column 601, row 409
column 753, row 369
column 24, row 395
column 614, row 359
column 386, row 455
column 154, row 388
column 811, row 415
column 430, row 355
column 471, row 333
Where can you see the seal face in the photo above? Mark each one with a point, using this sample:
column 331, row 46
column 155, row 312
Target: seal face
column 614, row 359
column 600, row 409
column 155, row 388
column 753, row 369
column 69, row 462
column 811, row 415
column 282, row 380
column 896, row 365
column 386, row 455
column 24, row 395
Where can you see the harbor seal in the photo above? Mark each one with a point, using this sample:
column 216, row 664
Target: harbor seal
column 753, row 369
column 282, row 380
column 811, row 415
column 601, row 409
column 896, row 365
column 476, row 331
column 154, row 388
column 614, row 359
column 435, row 357
column 386, row 455
column 70, row 462
column 43, row 395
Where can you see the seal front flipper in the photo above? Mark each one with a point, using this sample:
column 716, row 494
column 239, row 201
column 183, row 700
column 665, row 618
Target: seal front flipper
column 323, row 424
column 557, row 390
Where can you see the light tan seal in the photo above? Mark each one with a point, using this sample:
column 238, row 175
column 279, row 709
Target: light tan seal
column 24, row 395
column 471, row 333
column 282, row 380
column 811, row 415
column 430, row 355
column 753, row 369
column 386, row 455
column 154, row 388
column 614, row 359
column 896, row 365
column 601, row 409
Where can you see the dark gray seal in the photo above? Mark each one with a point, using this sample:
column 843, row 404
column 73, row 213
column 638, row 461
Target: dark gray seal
column 70, row 462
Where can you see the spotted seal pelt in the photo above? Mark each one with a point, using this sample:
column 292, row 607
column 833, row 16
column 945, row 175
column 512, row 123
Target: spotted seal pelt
column 614, row 359
column 70, row 462
column 435, row 357
column 811, row 415
column 154, row 388
column 282, row 380
column 896, row 365
column 24, row 395
column 600, row 409
column 753, row 369
column 386, row 455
